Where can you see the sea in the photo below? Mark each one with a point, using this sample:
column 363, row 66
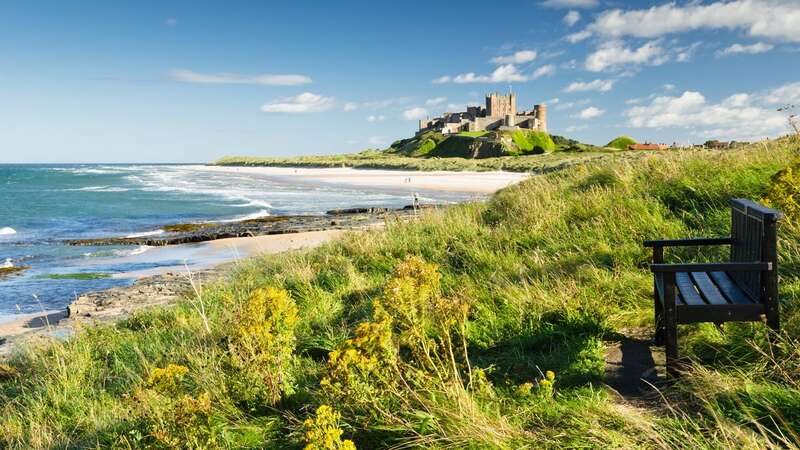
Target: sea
column 42, row 206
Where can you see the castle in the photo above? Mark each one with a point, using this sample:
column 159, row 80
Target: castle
column 500, row 113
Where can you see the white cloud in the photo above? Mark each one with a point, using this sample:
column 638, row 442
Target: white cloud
column 786, row 94
column 435, row 101
column 570, row 3
column 507, row 73
column 615, row 54
column 303, row 103
column 376, row 118
column 596, row 85
column 188, row 76
column 578, row 36
column 590, row 113
column 684, row 54
column 771, row 19
column 415, row 113
column 572, row 18
column 740, row 116
column 758, row 47
column 669, row 87
column 520, row 57
column 350, row 106
column 544, row 71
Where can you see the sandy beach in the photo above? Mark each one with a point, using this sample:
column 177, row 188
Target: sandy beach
column 404, row 180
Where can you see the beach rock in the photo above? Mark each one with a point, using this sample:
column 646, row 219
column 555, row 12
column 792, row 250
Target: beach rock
column 145, row 292
column 340, row 219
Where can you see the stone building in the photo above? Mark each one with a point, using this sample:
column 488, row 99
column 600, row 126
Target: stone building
column 500, row 113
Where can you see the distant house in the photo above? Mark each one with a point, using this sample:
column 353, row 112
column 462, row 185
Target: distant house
column 718, row 144
column 647, row 147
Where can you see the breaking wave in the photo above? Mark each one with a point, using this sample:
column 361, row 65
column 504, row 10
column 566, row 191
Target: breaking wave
column 6, row 231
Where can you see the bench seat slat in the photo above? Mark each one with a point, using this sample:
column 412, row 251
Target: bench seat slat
column 708, row 289
column 687, row 289
column 729, row 288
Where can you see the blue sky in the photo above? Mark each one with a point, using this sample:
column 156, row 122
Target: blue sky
column 85, row 81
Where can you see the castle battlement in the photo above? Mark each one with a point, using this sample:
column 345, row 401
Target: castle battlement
column 500, row 112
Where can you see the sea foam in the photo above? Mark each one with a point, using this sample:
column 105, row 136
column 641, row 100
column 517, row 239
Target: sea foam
column 145, row 234
column 5, row 231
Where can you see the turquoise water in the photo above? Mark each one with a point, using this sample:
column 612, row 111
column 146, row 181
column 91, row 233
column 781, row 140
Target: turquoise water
column 42, row 206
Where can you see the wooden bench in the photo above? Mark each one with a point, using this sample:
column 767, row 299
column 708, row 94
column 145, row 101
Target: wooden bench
column 743, row 289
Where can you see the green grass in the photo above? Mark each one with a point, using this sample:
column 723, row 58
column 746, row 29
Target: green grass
column 550, row 271
column 621, row 142
column 534, row 142
column 379, row 160
column 474, row 134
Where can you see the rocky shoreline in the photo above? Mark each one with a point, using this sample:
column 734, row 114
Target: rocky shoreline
column 339, row 219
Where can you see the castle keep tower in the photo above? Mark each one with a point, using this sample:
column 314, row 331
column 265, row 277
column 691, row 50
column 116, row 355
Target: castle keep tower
column 498, row 105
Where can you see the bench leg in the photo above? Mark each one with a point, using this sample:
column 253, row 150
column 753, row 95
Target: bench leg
column 773, row 319
column 659, row 319
column 658, row 258
column 670, row 323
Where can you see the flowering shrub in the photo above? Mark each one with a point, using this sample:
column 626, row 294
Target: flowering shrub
column 423, row 319
column 411, row 316
column 262, row 346
column 360, row 368
column 185, row 423
column 168, row 417
column 168, row 380
column 544, row 388
column 784, row 193
column 322, row 432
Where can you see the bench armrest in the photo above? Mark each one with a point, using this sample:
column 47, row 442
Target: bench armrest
column 688, row 242
column 712, row 267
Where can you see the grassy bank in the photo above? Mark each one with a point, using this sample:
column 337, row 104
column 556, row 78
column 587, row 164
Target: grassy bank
column 541, row 163
column 481, row 326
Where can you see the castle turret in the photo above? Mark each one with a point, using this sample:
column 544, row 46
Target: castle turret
column 540, row 111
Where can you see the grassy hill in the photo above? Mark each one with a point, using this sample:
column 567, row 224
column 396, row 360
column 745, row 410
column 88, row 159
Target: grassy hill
column 480, row 326
column 476, row 145
column 621, row 142
column 521, row 151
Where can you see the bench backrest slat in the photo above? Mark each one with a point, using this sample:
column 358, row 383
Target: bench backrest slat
column 754, row 233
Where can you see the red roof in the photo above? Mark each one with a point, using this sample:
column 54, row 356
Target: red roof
column 647, row 147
